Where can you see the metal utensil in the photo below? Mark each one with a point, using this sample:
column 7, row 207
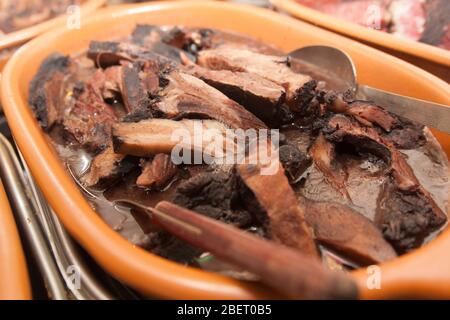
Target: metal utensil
column 338, row 63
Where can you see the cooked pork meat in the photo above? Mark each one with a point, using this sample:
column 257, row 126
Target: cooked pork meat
column 150, row 137
column 287, row 223
column 348, row 232
column 272, row 68
column 157, row 172
column 109, row 53
column 155, row 114
column 105, row 168
column 216, row 195
column 261, row 97
column 323, row 155
column 188, row 96
column 47, row 90
column 405, row 223
column 134, row 89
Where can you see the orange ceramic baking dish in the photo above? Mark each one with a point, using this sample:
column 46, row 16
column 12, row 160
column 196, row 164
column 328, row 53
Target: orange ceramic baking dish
column 424, row 273
column 434, row 59
column 14, row 282
column 21, row 36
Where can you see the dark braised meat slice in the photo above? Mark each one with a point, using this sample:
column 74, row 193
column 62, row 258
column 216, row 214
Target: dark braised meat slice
column 216, row 195
column 134, row 89
column 405, row 226
column 188, row 96
column 89, row 118
column 260, row 96
column 150, row 137
column 157, row 172
column 46, row 94
column 272, row 68
column 406, row 219
column 286, row 216
column 108, row 53
column 189, row 40
column 106, row 168
column 404, row 133
column 293, row 220
column 323, row 155
column 294, row 162
column 348, row 232
column 407, row 134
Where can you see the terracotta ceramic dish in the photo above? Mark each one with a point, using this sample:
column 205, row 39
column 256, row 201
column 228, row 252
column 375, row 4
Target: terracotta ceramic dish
column 14, row 282
column 434, row 59
column 424, row 273
column 21, row 36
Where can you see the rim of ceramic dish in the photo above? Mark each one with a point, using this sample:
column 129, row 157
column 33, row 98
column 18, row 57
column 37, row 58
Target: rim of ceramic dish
column 145, row 271
column 413, row 48
column 18, row 37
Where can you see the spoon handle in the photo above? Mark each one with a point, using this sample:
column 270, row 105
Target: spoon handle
column 291, row 272
column 431, row 114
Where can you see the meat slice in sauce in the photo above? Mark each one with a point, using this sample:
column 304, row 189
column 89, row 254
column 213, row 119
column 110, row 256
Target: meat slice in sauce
column 407, row 213
column 348, row 232
column 334, row 225
column 323, row 155
column 134, row 92
column 188, row 96
column 260, row 96
column 157, row 172
column 47, row 90
column 153, row 136
column 105, row 168
column 287, row 223
column 108, row 53
column 216, row 195
column 403, row 133
column 273, row 68
column 89, row 118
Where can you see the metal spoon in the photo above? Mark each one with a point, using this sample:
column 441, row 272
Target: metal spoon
column 339, row 64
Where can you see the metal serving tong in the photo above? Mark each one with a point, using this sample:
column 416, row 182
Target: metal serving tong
column 288, row 271
column 340, row 65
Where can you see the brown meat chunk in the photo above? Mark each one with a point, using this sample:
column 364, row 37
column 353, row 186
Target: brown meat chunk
column 323, row 155
column 150, row 137
column 108, row 53
column 134, row 93
column 187, row 96
column 272, row 68
column 46, row 94
column 261, row 97
column 105, row 168
column 89, row 118
column 348, row 232
column 403, row 133
column 287, row 223
column 157, row 172
column 407, row 212
column 214, row 194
